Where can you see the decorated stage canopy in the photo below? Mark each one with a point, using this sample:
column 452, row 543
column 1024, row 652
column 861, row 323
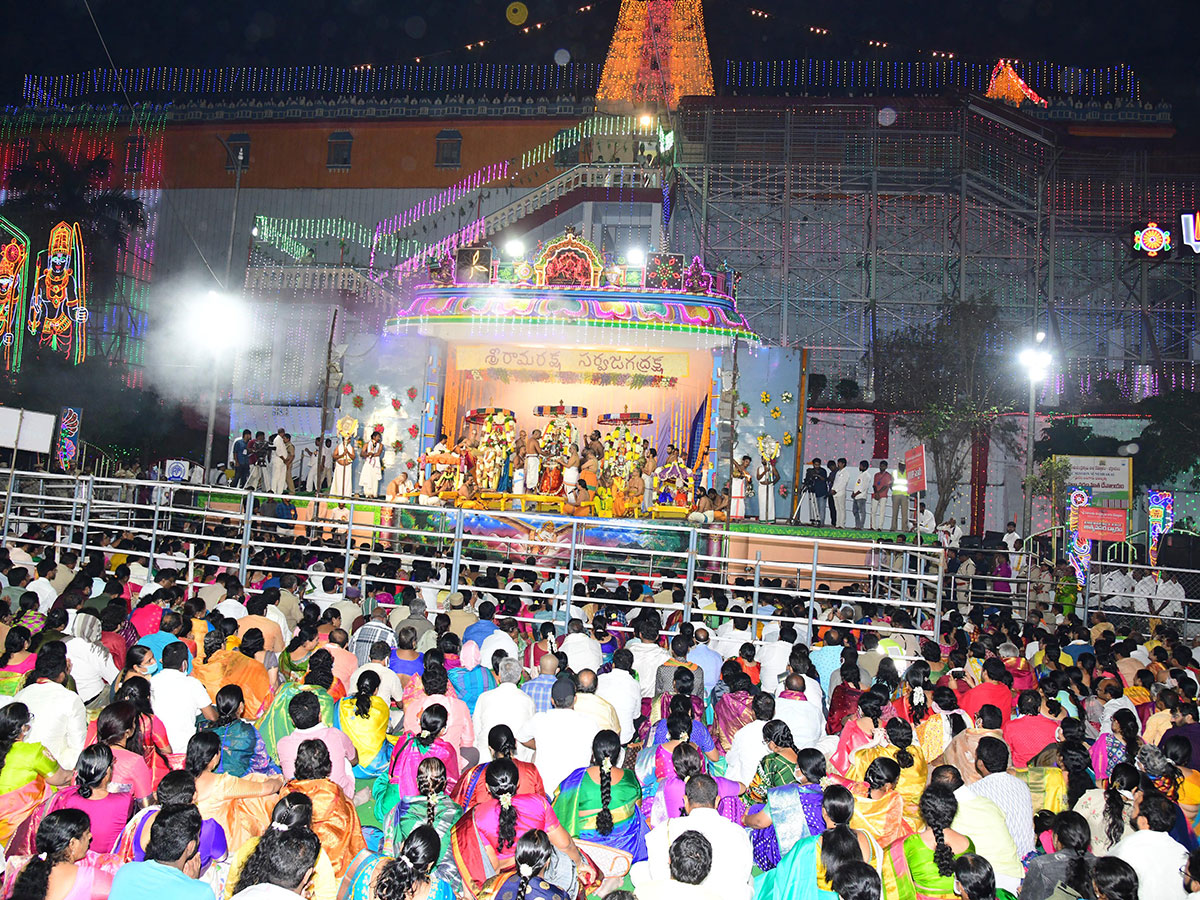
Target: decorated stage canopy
column 570, row 294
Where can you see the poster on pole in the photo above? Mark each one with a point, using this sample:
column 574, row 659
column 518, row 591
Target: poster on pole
column 33, row 431
column 914, row 469
column 1099, row 523
column 67, row 448
column 1110, row 478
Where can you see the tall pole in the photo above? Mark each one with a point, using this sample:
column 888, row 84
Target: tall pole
column 238, row 162
column 1027, row 518
column 320, row 461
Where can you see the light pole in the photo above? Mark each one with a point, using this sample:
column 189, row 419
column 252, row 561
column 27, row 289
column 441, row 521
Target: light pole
column 215, row 323
column 1036, row 360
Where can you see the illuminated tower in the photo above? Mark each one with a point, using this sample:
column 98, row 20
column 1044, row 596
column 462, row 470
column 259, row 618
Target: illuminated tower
column 659, row 53
column 1010, row 87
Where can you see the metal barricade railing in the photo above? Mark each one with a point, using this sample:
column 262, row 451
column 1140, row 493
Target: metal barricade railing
column 1137, row 595
column 537, row 557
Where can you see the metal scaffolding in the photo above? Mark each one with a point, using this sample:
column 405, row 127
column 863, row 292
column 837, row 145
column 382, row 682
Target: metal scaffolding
column 851, row 218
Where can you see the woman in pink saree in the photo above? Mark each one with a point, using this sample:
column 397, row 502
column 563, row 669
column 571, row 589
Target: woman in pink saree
column 61, row 857
column 732, row 712
column 859, row 738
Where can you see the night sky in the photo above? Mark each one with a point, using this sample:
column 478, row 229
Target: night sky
column 55, row 36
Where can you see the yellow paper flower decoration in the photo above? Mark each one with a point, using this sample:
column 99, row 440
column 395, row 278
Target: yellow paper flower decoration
column 787, row 439
column 775, row 413
column 765, row 397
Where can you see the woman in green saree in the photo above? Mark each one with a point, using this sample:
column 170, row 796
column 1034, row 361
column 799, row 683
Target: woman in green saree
column 276, row 722
column 293, row 661
column 921, row 866
column 430, row 807
column 778, row 767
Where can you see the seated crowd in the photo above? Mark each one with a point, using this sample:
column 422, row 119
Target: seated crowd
column 371, row 735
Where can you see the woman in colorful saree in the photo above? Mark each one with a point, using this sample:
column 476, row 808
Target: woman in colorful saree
column 503, row 744
column 778, row 767
column 1118, row 746
column 294, row 660
column 914, row 772
column 809, row 869
column 921, row 866
column 683, row 685
column 400, row 780
column 364, row 719
column 17, row 661
column 862, row 739
column 219, row 666
column 276, row 723
column 791, row 812
column 407, row 876
column 27, row 770
column 732, row 711
column 242, row 748
column 429, row 807
column 600, row 803
column 535, row 856
column 115, row 727
column 60, row 865
column 484, row 839
column 335, row 820
column 293, row 812
column 667, row 800
column 880, row 810
column 177, row 788
column 151, row 735
column 843, row 702
column 241, row 806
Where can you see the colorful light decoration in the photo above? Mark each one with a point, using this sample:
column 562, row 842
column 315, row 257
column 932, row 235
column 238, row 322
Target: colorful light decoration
column 1079, row 550
column 1008, row 86
column 1160, row 510
column 658, row 53
column 67, row 446
column 14, row 283
column 1152, row 240
column 58, row 310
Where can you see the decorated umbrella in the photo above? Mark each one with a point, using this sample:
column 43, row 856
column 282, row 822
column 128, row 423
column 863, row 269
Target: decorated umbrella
column 561, row 412
column 626, row 418
column 481, row 414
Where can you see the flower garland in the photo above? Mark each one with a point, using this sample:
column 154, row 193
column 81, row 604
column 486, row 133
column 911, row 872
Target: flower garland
column 602, row 379
column 768, row 447
column 557, row 436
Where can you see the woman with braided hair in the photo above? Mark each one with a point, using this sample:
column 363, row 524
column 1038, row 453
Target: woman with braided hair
column 1075, row 763
column 535, row 854
column 843, row 701
column 914, row 771
column 503, row 745
column 792, row 812
column 601, row 803
column 1069, row 863
column 293, row 814
column 411, row 749
column 880, row 810
column 429, row 807
column 409, row 875
column 921, row 866
column 1107, row 810
column 364, row 719
column 484, row 839
column 666, row 801
column 276, row 723
column 1119, row 745
column 778, row 767
column 242, row 748
column 57, row 867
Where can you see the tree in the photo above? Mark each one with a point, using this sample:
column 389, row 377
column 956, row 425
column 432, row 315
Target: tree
column 48, row 188
column 950, row 388
column 1069, row 437
column 1169, row 447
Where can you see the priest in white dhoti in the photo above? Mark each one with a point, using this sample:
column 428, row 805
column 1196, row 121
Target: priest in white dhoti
column 737, row 488
column 371, row 472
column 277, row 483
column 766, row 476
column 342, row 483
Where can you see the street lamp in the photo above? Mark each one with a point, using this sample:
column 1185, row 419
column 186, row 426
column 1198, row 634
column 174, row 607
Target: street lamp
column 1036, row 361
column 216, row 321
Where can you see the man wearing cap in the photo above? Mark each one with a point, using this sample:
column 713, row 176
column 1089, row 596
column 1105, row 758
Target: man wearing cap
column 461, row 615
column 561, row 737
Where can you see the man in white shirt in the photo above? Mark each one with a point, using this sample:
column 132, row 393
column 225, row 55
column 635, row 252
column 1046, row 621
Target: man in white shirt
column 505, row 704
column 982, row 821
column 278, row 483
column 583, row 651
column 731, row 634
column 1007, row 791
column 1154, row 855
column 1011, row 539
column 839, row 494
column 950, row 533
column 732, row 859
column 621, row 689
column 926, row 523
column 647, row 657
column 773, row 657
column 59, row 718
column 1170, row 596
column 166, row 578
column 177, row 698
column 1144, row 590
column 596, row 708
column 503, row 638
column 748, row 748
column 391, row 691
column 802, row 714
column 42, row 585
column 561, row 737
